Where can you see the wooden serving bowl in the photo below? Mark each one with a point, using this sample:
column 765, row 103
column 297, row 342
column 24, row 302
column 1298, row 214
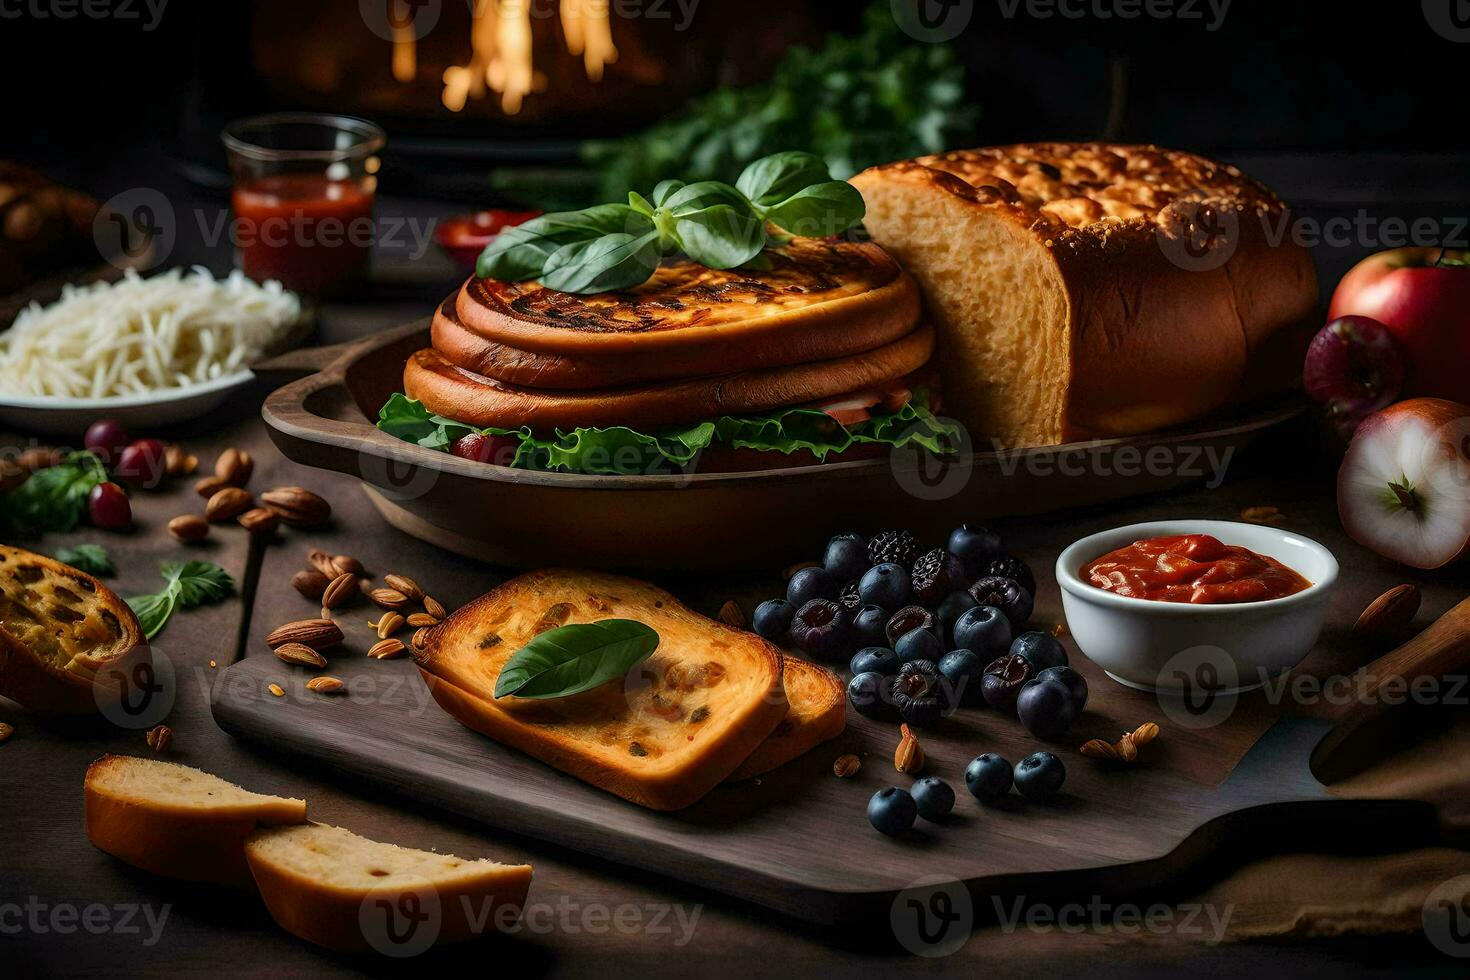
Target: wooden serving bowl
column 724, row 521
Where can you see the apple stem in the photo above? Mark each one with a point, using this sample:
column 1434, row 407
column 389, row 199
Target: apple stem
column 1405, row 492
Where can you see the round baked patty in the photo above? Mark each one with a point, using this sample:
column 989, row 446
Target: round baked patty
column 448, row 390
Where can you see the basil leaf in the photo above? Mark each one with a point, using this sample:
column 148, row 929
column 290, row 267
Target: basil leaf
column 819, row 210
column 611, row 262
column 54, row 498
column 521, row 251
column 191, row 583
column 639, row 203
column 693, row 198
column 89, row 558
column 775, row 178
column 153, row 611
column 721, row 237
column 664, row 189
column 572, row 659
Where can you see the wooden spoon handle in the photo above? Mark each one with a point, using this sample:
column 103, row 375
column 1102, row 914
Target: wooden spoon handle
column 1441, row 649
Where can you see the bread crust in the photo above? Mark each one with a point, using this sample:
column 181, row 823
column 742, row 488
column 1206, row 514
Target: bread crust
column 818, row 714
column 474, row 399
column 1164, row 318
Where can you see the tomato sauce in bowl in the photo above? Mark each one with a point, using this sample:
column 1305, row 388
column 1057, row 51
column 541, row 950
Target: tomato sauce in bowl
column 1193, row 568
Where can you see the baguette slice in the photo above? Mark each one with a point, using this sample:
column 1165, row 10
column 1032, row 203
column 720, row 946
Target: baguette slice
column 177, row 821
column 333, row 888
column 662, row 737
column 818, row 714
column 68, row 644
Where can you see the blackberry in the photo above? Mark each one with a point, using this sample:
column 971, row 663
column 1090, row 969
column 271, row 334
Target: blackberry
column 920, row 694
column 849, row 596
column 893, row 546
column 1011, row 567
column 936, row 573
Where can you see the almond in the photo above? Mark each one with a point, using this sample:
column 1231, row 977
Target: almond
column 234, row 467
column 276, row 689
column 386, row 649
column 259, row 521
column 1262, row 515
column 188, row 528
column 388, row 624
column 405, row 585
column 300, row 654
column 846, row 765
column 40, row 458
column 909, row 756
column 1098, row 749
column 6, row 731
column 346, row 563
column 422, row 619
column 160, row 738
column 1388, row 616
column 325, row 685
column 315, row 633
column 433, row 608
column 297, row 506
column 1144, row 734
column 227, row 503
column 341, row 590
column 732, row 615
column 310, row 583
column 178, row 462
column 420, row 638
column 1126, row 749
column 388, row 598
column 322, row 562
column 209, row 486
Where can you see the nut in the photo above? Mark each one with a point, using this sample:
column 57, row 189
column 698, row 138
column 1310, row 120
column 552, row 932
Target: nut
column 259, row 521
column 315, row 633
column 405, row 585
column 909, row 757
column 433, row 608
column 732, row 615
column 297, row 506
column 6, row 731
column 160, row 738
column 188, row 527
column 40, row 458
column 346, row 563
column 388, row 624
column 420, row 638
column 325, row 685
column 341, row 590
column 1098, row 749
column 386, row 649
column 177, row 462
column 234, row 467
column 1127, row 751
column 1262, row 515
column 276, row 689
column 300, row 654
column 227, row 503
column 209, row 486
column 846, row 765
column 12, row 474
column 310, row 583
column 388, row 598
column 1388, row 616
column 422, row 619
column 1144, row 734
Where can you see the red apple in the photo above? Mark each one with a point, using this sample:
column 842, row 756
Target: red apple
column 1404, row 486
column 1423, row 296
column 1353, row 368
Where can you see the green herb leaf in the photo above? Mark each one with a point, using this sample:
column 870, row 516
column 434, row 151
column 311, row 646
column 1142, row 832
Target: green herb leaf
column 773, row 179
column 521, row 251
column 617, row 261
column 89, row 558
column 721, row 237
column 54, row 498
column 572, row 659
column 189, row 584
column 819, row 210
column 153, row 610
column 665, row 189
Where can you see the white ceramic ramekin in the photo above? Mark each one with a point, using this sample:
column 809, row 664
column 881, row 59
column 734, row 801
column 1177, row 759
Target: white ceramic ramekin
column 1174, row 646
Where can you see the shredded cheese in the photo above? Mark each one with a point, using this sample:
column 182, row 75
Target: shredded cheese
column 138, row 335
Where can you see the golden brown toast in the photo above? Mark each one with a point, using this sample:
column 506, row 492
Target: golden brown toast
column 670, row 731
column 817, row 714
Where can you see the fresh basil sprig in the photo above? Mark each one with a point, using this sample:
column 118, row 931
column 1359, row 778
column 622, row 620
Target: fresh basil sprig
column 188, row 584
column 575, row 658
column 617, row 246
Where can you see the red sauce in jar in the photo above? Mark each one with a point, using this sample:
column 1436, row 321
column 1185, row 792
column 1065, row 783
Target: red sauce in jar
column 1195, row 568
column 310, row 232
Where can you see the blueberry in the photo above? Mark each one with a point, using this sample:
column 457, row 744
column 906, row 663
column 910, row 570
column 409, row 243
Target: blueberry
column 847, row 556
column 880, row 660
column 908, row 618
column 868, row 626
column 1046, row 709
column 988, row 777
column 1003, row 680
column 933, row 798
column 1042, row 649
column 871, row 695
column 920, row 693
column 974, row 545
column 821, row 628
column 951, row 608
column 962, row 670
column 918, row 644
column 983, row 629
column 885, row 585
column 1040, row 776
column 1074, row 682
column 891, row 811
column 1005, row 594
column 812, row 583
column 772, row 618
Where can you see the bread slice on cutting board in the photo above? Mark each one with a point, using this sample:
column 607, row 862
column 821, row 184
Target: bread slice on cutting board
column 177, row 821
column 331, row 887
column 678, row 725
column 817, row 714
column 1091, row 289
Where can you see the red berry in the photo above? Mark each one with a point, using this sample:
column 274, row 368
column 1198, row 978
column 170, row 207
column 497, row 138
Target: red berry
column 485, row 449
column 107, row 438
column 142, row 463
column 108, row 505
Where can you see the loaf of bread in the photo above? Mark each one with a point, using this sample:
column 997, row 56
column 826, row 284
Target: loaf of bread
column 817, row 713
column 1090, row 289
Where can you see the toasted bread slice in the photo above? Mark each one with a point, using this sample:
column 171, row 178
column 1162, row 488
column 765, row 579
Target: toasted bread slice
column 175, row 820
column 68, row 644
column 818, row 713
column 662, row 737
column 333, row 888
